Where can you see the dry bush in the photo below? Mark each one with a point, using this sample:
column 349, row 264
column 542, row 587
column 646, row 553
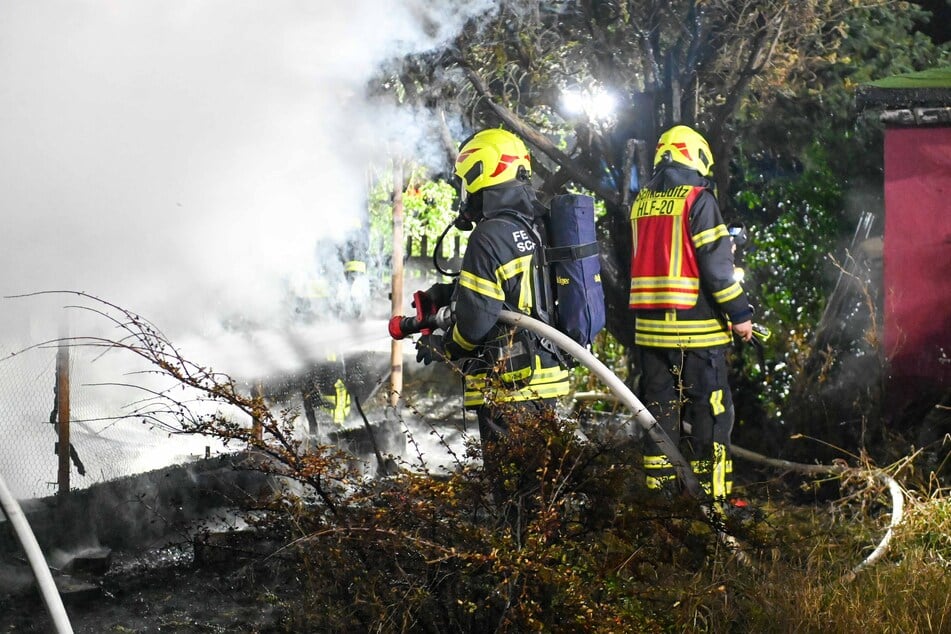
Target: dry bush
column 578, row 545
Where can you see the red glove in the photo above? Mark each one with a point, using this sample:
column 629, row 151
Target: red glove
column 428, row 302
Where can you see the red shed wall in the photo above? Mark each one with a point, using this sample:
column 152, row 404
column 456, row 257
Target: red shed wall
column 917, row 262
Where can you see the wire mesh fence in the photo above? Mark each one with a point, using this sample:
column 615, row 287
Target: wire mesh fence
column 111, row 434
column 104, row 442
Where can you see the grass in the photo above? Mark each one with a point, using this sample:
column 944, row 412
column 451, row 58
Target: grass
column 800, row 582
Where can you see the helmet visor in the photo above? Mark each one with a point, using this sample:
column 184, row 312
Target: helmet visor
column 460, row 186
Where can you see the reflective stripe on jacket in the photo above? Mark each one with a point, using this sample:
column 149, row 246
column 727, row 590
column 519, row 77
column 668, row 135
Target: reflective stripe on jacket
column 338, row 403
column 671, row 332
column 682, row 285
column 664, row 271
column 547, row 382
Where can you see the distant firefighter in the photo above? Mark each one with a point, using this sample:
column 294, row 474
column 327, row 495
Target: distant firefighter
column 338, row 288
column 337, row 291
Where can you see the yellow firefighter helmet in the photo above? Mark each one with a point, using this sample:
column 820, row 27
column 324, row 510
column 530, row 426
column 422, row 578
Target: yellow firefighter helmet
column 491, row 157
column 684, row 145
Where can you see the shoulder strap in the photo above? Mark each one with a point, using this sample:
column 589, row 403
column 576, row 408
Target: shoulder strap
column 573, row 252
column 541, row 275
column 544, row 305
column 533, row 228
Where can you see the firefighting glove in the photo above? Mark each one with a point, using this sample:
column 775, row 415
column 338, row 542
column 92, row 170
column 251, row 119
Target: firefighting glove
column 430, row 348
column 432, row 299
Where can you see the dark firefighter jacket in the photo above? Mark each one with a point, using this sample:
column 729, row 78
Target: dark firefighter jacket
column 496, row 274
column 689, row 248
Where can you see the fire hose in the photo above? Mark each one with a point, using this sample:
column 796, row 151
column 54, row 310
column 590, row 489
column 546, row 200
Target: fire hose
column 44, row 579
column 401, row 327
column 894, row 489
column 897, row 495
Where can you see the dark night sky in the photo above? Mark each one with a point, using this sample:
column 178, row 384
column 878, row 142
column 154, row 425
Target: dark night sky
column 940, row 26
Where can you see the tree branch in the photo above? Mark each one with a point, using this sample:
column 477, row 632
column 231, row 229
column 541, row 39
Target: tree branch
column 530, row 135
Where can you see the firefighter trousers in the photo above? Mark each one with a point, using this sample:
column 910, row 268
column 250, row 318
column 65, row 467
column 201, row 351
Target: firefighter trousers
column 688, row 385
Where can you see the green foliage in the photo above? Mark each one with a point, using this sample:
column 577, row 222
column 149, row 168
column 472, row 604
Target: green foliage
column 788, row 270
column 427, row 209
column 804, row 156
column 927, row 530
column 788, row 261
column 816, row 103
column 801, row 154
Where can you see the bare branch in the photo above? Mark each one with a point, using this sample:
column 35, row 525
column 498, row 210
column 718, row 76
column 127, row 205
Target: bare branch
column 539, row 141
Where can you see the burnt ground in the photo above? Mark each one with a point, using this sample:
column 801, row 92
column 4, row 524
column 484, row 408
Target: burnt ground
column 164, row 590
column 180, row 562
column 144, row 571
column 214, row 575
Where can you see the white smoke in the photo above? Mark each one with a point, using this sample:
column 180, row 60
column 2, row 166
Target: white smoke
column 181, row 159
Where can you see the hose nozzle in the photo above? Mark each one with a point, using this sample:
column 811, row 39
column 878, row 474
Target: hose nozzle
column 401, row 327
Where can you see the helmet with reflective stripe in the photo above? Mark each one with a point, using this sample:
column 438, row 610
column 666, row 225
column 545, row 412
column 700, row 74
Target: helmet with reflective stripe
column 685, row 146
column 491, row 157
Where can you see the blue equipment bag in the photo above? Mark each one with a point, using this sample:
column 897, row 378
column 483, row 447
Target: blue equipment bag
column 575, row 267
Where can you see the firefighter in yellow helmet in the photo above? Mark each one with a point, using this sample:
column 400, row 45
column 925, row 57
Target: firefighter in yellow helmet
column 687, row 308
column 338, row 288
column 496, row 197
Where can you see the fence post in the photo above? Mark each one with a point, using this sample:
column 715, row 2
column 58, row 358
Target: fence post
column 257, row 391
column 62, row 417
column 396, row 284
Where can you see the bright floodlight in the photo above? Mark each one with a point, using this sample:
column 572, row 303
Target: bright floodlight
column 595, row 103
column 573, row 102
column 602, row 105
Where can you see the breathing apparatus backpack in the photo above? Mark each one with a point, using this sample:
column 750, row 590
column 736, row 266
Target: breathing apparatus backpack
column 566, row 277
column 567, row 271
column 569, row 296
column 571, row 261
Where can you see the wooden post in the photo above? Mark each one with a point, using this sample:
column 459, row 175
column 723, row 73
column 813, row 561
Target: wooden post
column 396, row 284
column 62, row 417
column 257, row 392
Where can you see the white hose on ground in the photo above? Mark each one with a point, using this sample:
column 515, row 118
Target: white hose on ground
column 898, row 501
column 897, row 495
column 895, row 491
column 44, row 579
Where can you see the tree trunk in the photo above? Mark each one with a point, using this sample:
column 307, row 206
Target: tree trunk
column 615, row 238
